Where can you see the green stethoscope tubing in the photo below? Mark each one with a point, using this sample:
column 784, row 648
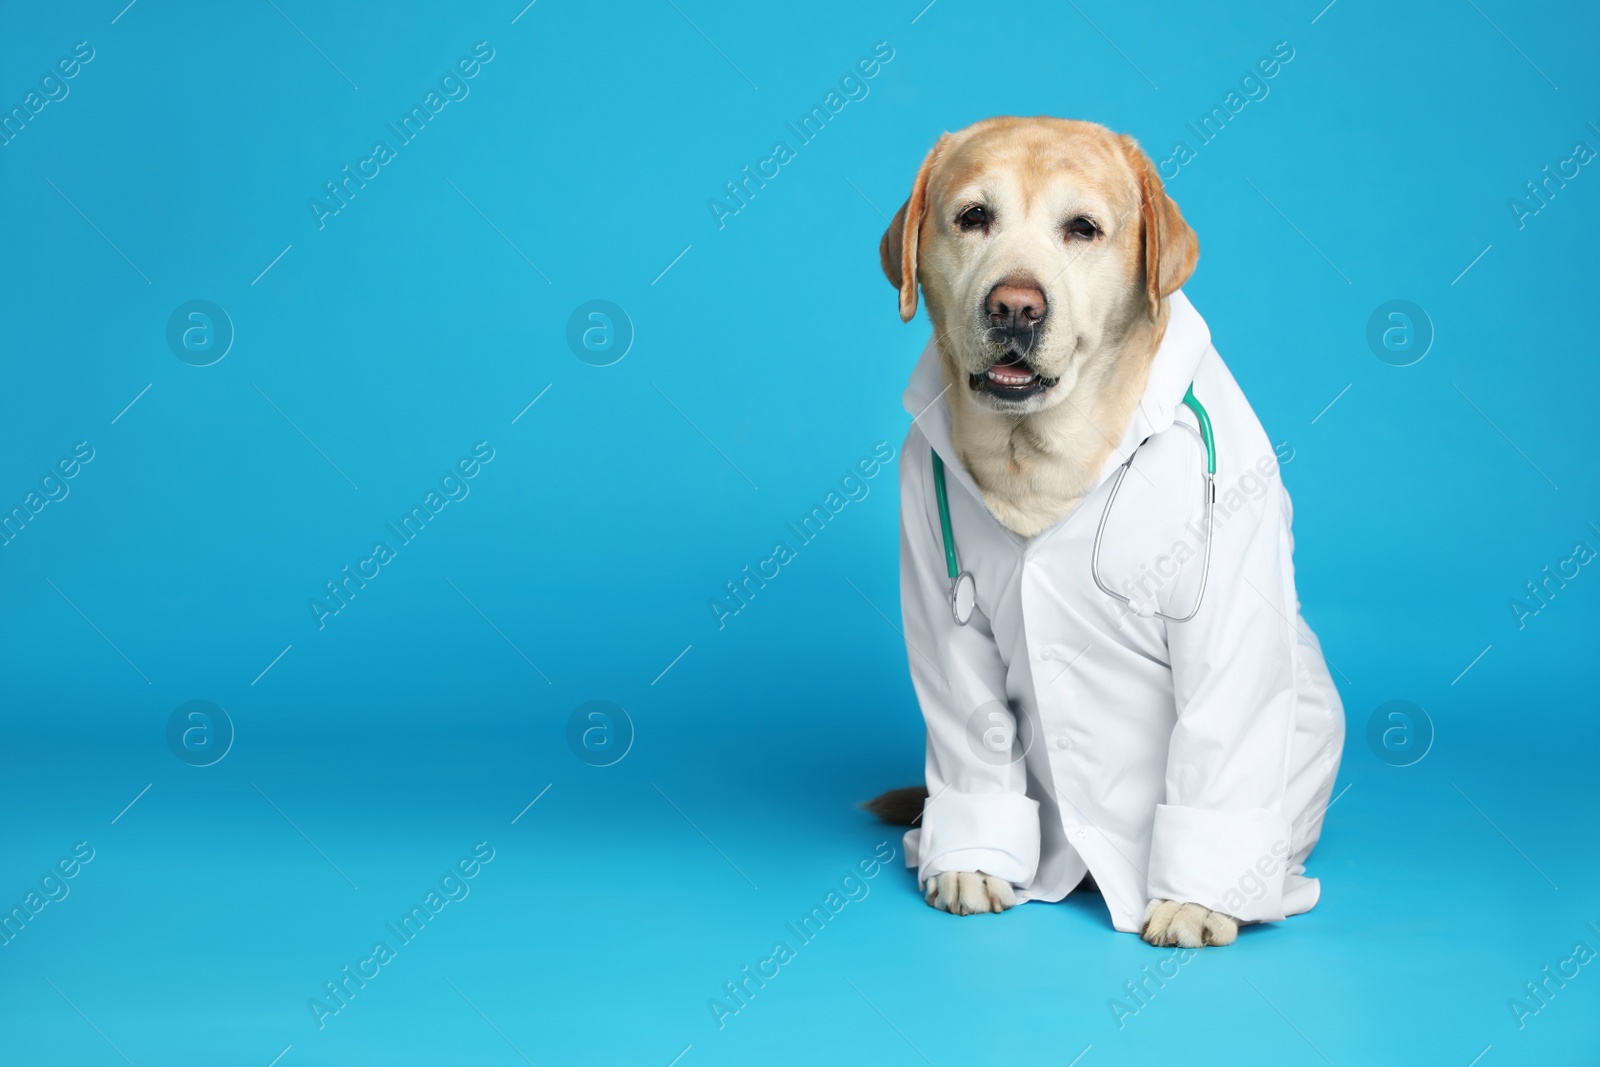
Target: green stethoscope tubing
column 1204, row 420
column 961, row 581
column 944, row 517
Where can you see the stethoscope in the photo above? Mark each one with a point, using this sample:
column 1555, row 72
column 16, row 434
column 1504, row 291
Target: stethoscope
column 964, row 591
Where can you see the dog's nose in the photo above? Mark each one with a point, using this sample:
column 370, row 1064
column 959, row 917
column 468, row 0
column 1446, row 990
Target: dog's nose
column 1015, row 303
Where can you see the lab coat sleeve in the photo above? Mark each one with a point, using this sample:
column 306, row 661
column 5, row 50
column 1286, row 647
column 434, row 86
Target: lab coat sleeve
column 978, row 816
column 1222, row 837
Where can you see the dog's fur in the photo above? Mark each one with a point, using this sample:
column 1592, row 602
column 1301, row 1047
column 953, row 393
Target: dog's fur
column 1077, row 215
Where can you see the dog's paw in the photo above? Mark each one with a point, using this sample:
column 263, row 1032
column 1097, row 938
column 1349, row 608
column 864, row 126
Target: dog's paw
column 1166, row 922
column 969, row 893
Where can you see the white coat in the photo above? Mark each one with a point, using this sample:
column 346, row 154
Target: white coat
column 1186, row 761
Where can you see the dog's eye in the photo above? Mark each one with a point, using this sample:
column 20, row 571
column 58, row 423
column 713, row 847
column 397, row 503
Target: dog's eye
column 1082, row 227
column 975, row 217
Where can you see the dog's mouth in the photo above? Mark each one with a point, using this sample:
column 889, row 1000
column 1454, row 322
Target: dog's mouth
column 1011, row 378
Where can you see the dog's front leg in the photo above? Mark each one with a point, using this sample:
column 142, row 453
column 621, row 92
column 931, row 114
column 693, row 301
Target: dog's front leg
column 969, row 893
column 1167, row 922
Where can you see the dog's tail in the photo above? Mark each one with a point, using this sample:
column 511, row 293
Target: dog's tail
column 899, row 807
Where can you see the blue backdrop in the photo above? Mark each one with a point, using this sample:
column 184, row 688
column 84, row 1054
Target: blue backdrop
column 390, row 390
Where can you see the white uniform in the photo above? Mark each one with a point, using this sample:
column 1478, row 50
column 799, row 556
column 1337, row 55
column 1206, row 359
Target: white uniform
column 1187, row 761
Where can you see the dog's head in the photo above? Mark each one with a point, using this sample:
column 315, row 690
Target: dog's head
column 1039, row 243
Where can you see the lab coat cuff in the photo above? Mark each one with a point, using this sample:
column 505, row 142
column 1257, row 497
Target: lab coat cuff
column 996, row 833
column 1234, row 862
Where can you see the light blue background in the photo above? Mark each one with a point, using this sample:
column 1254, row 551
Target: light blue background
column 432, row 309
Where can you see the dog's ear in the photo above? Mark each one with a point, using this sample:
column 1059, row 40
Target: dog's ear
column 1170, row 246
column 898, row 249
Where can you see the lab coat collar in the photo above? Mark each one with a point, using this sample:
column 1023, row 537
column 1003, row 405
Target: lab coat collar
column 1183, row 346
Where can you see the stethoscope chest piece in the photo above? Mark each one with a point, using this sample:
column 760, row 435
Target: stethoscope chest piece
column 963, row 597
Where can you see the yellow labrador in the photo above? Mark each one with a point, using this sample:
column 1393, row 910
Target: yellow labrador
column 1046, row 250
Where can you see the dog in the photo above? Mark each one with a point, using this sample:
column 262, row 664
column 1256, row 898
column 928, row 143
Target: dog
column 1182, row 777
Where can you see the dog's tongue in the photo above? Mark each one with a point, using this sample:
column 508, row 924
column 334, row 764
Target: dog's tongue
column 1013, row 374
